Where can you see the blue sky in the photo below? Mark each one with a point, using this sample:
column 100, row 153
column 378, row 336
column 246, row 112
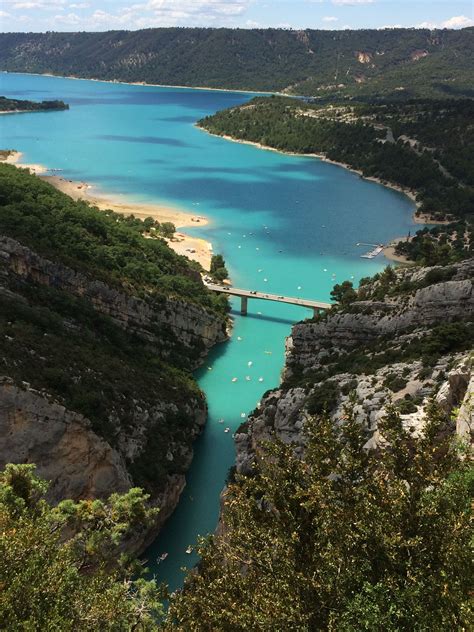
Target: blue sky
column 100, row 15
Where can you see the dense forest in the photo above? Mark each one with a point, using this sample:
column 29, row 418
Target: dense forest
column 21, row 105
column 425, row 146
column 401, row 63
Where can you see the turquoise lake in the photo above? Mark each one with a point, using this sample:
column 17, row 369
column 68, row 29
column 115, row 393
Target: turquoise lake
column 287, row 225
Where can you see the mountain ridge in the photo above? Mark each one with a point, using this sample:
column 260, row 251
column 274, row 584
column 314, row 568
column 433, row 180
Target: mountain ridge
column 391, row 62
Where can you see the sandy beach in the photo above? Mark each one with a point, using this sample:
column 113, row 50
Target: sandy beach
column 389, row 252
column 194, row 248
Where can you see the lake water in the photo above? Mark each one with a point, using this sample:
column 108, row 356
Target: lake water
column 287, row 225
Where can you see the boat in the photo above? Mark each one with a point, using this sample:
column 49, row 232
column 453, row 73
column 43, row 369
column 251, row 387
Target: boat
column 243, row 415
column 248, row 378
column 220, row 421
column 227, row 430
column 163, row 557
column 249, row 363
column 260, row 379
column 234, row 379
column 189, row 550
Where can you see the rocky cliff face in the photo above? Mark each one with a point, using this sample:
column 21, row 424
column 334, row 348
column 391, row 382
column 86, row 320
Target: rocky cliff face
column 75, row 460
column 144, row 417
column 402, row 350
column 165, row 323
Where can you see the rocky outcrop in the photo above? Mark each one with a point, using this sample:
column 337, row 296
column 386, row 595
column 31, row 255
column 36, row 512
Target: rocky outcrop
column 369, row 320
column 162, row 321
column 75, row 460
column 372, row 328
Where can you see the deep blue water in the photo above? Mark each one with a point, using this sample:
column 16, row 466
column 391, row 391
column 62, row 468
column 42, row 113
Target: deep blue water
column 284, row 224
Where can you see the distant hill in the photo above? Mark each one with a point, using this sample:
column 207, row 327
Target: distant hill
column 391, row 63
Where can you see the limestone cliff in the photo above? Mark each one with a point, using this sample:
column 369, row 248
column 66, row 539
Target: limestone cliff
column 401, row 349
column 164, row 322
column 99, row 331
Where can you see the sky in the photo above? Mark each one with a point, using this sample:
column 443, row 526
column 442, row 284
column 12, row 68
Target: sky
column 102, row 15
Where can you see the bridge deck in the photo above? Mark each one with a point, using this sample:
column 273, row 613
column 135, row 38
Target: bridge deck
column 303, row 302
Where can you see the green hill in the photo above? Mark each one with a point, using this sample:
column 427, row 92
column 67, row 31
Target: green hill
column 395, row 62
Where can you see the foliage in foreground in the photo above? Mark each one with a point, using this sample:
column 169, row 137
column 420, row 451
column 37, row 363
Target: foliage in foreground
column 344, row 540
column 53, row 580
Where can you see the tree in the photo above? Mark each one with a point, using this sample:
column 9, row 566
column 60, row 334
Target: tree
column 343, row 539
column 167, row 229
column 344, row 293
column 218, row 268
column 61, row 568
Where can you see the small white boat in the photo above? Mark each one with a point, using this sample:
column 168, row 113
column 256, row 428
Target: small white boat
column 239, row 338
column 189, row 550
column 220, row 421
column 163, row 557
column 260, row 379
column 325, row 270
column 243, row 415
column 299, row 287
column 209, row 368
column 248, row 378
column 268, row 352
column 234, row 379
column 227, row 430
column 249, row 363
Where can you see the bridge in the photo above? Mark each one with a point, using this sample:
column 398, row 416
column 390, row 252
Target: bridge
column 316, row 306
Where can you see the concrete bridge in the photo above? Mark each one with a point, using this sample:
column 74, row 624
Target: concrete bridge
column 316, row 306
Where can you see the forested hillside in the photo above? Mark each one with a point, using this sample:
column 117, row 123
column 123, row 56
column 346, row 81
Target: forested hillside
column 401, row 63
column 424, row 146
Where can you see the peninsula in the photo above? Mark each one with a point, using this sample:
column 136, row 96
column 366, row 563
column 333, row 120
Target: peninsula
column 12, row 106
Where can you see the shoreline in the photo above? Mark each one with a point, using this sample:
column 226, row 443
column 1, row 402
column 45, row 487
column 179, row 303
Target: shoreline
column 421, row 218
column 194, row 248
column 389, row 252
column 143, row 83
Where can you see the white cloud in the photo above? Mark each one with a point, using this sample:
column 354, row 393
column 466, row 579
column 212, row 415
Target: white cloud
column 146, row 14
column 251, row 24
column 188, row 8
column 458, row 22
column 330, row 18
column 39, row 4
column 351, row 2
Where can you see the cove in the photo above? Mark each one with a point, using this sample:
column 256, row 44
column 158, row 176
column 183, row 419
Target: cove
column 285, row 224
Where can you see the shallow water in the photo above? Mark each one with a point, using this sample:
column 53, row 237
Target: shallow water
column 285, row 224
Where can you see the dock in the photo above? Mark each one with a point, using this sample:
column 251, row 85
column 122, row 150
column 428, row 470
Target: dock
column 245, row 295
column 376, row 250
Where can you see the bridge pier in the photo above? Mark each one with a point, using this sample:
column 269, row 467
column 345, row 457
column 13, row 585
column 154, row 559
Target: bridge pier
column 243, row 305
